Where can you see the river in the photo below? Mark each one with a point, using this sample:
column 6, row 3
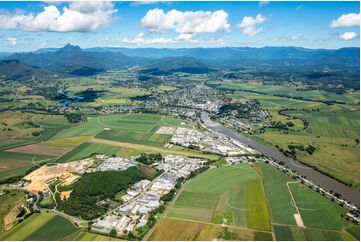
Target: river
column 318, row 178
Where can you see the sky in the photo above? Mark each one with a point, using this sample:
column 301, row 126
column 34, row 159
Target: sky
column 27, row 26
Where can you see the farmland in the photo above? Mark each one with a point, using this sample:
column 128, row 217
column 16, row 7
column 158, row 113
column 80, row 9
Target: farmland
column 177, row 229
column 33, row 228
column 86, row 236
column 224, row 197
column 227, row 194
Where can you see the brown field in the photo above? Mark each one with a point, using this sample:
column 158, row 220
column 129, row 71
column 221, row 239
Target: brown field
column 9, row 164
column 176, row 230
column 41, row 150
column 41, row 176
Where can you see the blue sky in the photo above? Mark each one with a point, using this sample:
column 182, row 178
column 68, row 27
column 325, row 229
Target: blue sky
column 27, row 26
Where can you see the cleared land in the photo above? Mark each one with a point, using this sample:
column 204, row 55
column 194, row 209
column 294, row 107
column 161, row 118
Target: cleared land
column 40, row 177
column 224, row 195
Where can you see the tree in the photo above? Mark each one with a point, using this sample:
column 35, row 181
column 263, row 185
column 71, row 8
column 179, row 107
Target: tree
column 113, row 233
column 75, row 117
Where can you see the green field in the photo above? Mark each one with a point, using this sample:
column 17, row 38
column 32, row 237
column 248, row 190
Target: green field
column 44, row 226
column 354, row 231
column 316, row 210
column 285, row 233
column 227, row 194
column 278, row 196
column 86, row 149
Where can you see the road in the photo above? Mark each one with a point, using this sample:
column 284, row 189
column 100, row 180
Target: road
column 317, row 177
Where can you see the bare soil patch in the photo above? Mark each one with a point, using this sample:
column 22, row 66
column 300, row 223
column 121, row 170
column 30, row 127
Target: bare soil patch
column 40, row 177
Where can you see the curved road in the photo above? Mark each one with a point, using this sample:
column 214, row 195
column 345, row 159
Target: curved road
column 317, row 177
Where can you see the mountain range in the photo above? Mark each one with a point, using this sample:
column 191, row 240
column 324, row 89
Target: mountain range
column 73, row 60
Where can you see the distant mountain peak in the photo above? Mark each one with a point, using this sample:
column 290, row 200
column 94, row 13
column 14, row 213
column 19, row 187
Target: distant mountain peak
column 70, row 48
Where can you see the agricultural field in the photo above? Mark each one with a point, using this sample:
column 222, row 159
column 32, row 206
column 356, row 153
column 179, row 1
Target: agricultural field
column 86, row 236
column 331, row 127
column 21, row 136
column 15, row 164
column 278, row 195
column 243, row 197
column 322, row 218
column 33, row 228
column 231, row 195
column 176, row 229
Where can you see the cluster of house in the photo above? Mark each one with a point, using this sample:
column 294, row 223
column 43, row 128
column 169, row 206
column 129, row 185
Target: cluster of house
column 195, row 96
column 145, row 196
column 355, row 211
column 115, row 163
column 209, row 142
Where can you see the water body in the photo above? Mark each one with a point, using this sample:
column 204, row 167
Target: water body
column 318, row 178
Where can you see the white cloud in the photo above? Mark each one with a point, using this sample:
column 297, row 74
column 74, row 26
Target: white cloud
column 263, row 3
column 139, row 39
column 187, row 22
column 77, row 17
column 11, row 41
column 249, row 24
column 348, row 36
column 146, row 2
column 294, row 37
column 346, row 20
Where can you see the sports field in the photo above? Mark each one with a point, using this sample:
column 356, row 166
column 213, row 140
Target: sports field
column 35, row 226
column 224, row 195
